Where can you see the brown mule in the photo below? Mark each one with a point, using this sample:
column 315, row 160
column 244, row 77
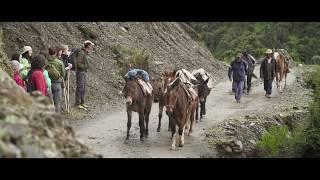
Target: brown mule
column 168, row 77
column 281, row 70
column 180, row 109
column 158, row 97
column 203, row 93
column 138, row 102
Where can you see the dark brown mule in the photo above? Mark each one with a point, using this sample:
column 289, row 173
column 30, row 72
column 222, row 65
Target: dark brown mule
column 168, row 77
column 181, row 110
column 136, row 101
column 281, row 70
column 203, row 93
column 158, row 97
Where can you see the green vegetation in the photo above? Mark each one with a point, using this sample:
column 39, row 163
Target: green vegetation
column 315, row 60
column 303, row 141
column 87, row 32
column 225, row 39
column 126, row 57
column 272, row 141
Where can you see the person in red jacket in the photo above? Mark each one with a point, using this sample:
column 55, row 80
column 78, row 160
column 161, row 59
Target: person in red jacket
column 37, row 80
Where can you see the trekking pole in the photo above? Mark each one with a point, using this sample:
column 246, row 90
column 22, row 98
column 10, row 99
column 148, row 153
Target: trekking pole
column 65, row 97
column 68, row 91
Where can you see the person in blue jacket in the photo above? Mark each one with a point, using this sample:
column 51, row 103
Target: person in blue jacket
column 238, row 69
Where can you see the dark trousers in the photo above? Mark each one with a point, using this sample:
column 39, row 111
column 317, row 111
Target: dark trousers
column 268, row 86
column 81, row 87
column 239, row 89
column 234, row 86
column 247, row 82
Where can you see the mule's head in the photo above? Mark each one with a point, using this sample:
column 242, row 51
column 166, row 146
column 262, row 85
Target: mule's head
column 130, row 91
column 158, row 89
column 203, row 90
column 171, row 96
column 168, row 78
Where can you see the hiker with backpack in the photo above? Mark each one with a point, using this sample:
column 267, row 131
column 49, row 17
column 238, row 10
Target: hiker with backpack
column 238, row 69
column 56, row 72
column 81, row 66
column 63, row 53
column 35, row 79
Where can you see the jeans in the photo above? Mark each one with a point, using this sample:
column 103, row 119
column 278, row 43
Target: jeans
column 234, row 86
column 239, row 89
column 57, row 95
column 49, row 94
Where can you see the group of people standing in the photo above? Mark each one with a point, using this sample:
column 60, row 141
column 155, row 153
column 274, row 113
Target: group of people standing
column 241, row 72
column 49, row 71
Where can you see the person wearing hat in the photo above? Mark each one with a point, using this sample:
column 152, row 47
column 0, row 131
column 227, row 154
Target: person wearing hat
column 81, row 67
column 238, row 69
column 268, row 72
column 26, row 56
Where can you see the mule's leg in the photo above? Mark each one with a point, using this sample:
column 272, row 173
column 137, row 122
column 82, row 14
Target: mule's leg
column 129, row 114
column 170, row 123
column 249, row 79
column 160, row 117
column 202, row 110
column 181, row 144
column 173, row 136
column 141, row 124
column 204, row 106
column 146, row 117
column 191, row 123
column 197, row 113
column 181, row 137
column 277, row 80
column 281, row 82
column 285, row 80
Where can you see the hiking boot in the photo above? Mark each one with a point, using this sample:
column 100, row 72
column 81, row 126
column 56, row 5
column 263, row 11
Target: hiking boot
column 84, row 105
column 81, row 107
column 238, row 101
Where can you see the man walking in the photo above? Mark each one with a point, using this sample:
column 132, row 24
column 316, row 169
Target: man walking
column 238, row 70
column 268, row 72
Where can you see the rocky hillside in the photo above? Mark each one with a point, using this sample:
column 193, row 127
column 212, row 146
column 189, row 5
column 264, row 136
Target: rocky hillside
column 163, row 44
column 28, row 125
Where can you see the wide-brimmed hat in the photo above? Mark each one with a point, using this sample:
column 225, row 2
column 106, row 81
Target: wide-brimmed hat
column 25, row 49
column 269, row 51
column 87, row 41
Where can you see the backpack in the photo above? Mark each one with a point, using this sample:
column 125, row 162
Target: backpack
column 29, row 85
column 73, row 54
column 54, row 74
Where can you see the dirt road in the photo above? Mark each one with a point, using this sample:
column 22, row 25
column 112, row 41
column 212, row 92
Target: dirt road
column 106, row 134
